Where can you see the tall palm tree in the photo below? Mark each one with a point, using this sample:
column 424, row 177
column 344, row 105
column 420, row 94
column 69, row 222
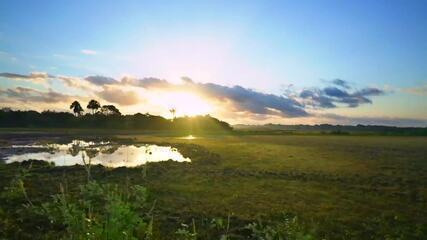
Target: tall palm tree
column 93, row 105
column 77, row 108
column 173, row 112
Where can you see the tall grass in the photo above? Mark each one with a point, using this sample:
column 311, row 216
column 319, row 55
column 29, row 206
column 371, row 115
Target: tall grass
column 110, row 212
column 102, row 211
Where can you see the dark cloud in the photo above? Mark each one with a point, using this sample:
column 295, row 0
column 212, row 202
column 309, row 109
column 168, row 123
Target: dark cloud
column 317, row 99
column 341, row 83
column 101, row 80
column 13, row 75
column 21, row 76
column 245, row 99
column 335, row 92
column 32, row 95
column 329, row 97
column 370, row 92
column 31, row 76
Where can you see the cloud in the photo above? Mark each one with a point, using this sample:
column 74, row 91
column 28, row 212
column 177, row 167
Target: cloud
column 242, row 99
column 248, row 100
column 32, row 75
column 149, row 82
column 341, row 83
column 13, row 75
column 31, row 95
column 76, row 82
column 238, row 97
column 88, row 52
column 339, row 94
column 38, row 77
column 239, row 100
column 119, row 96
column 101, row 80
column 316, row 98
column 94, row 85
column 420, row 91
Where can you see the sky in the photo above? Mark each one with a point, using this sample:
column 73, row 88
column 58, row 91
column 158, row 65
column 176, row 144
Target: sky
column 250, row 62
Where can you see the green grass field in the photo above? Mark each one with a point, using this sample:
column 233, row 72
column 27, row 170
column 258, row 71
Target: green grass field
column 340, row 187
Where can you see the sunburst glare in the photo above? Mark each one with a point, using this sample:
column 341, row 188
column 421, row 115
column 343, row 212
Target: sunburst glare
column 185, row 103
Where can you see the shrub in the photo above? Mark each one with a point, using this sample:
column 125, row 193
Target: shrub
column 101, row 212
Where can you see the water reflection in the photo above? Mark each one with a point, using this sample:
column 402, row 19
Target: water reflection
column 189, row 137
column 104, row 153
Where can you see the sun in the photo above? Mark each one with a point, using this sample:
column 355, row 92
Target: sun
column 185, row 103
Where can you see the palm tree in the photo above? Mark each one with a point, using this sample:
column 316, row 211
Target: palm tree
column 93, row 105
column 77, row 108
column 173, row 112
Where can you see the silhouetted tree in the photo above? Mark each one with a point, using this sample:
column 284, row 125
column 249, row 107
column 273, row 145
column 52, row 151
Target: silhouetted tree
column 93, row 105
column 77, row 108
column 110, row 110
column 91, row 152
column 110, row 118
column 173, row 112
column 109, row 149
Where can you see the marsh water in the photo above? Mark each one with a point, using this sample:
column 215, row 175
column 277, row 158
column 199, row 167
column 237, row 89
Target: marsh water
column 104, row 153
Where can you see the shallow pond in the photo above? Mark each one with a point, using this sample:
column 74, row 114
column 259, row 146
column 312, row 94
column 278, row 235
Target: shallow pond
column 104, row 153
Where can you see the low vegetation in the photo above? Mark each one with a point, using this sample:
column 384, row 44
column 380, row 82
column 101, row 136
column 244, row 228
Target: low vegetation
column 236, row 187
column 109, row 211
column 328, row 129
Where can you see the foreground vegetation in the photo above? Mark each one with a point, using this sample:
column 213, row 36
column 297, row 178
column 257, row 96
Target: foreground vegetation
column 237, row 187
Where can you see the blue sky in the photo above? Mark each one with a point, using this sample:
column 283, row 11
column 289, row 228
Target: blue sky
column 261, row 45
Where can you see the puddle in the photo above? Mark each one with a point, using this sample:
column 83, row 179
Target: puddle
column 104, row 153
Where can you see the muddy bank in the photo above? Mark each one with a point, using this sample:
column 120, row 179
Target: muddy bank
column 24, row 142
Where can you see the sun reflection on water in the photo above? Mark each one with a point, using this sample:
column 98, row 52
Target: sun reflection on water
column 189, row 137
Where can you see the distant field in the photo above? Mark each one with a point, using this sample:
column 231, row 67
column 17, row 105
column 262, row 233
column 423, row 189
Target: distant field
column 343, row 187
column 346, row 179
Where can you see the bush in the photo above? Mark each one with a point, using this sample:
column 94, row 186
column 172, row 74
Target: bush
column 101, row 212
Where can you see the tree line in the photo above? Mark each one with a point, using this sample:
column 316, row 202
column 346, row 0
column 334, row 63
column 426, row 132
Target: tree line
column 107, row 117
column 94, row 105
